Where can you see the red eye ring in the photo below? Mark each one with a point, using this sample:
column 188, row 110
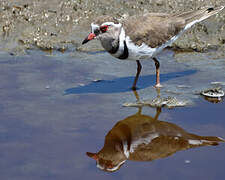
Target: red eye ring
column 104, row 28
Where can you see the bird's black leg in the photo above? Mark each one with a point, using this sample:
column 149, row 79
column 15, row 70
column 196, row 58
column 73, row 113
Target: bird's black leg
column 157, row 65
column 137, row 100
column 158, row 111
column 137, row 74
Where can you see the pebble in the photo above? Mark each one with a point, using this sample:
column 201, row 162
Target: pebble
column 187, row 161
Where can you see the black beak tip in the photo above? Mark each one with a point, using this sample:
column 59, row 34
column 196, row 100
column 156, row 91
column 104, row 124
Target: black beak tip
column 85, row 41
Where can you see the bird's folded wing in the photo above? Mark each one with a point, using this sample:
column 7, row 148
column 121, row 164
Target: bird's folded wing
column 153, row 29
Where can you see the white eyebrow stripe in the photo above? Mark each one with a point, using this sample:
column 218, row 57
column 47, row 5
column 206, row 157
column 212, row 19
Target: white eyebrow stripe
column 93, row 27
column 112, row 24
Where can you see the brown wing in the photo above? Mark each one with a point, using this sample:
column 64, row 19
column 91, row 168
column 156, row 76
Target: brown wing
column 153, row 29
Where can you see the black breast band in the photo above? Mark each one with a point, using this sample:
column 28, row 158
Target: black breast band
column 125, row 52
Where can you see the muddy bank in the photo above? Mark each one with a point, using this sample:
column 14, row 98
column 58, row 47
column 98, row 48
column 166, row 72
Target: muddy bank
column 61, row 25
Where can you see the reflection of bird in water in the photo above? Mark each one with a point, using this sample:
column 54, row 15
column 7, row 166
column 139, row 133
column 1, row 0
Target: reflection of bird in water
column 144, row 138
column 213, row 100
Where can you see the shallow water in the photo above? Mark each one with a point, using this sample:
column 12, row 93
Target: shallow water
column 56, row 107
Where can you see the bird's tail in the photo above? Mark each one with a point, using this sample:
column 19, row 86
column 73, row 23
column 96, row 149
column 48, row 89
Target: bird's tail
column 206, row 140
column 193, row 17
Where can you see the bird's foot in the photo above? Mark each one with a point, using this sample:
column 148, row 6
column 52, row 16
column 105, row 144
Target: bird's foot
column 158, row 85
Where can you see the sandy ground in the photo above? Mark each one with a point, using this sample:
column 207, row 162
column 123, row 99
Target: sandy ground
column 62, row 25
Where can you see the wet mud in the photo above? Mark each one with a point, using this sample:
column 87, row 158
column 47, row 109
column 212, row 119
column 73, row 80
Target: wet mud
column 62, row 25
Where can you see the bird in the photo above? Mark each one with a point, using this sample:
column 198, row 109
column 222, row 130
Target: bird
column 142, row 37
column 141, row 137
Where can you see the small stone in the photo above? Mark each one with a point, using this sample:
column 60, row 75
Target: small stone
column 67, row 17
column 169, row 102
column 213, row 92
column 97, row 80
column 81, row 84
column 183, row 86
column 218, row 83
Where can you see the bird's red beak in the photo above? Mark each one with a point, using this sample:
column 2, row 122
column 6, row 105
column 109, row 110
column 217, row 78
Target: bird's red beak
column 88, row 38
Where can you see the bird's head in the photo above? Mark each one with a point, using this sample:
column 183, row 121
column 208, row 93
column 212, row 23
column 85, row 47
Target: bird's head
column 98, row 30
column 105, row 163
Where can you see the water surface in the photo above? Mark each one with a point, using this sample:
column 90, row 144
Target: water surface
column 46, row 126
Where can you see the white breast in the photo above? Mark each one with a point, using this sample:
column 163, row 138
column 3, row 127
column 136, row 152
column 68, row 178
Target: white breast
column 139, row 52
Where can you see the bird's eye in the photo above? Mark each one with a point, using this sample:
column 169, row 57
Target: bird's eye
column 96, row 31
column 104, row 28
